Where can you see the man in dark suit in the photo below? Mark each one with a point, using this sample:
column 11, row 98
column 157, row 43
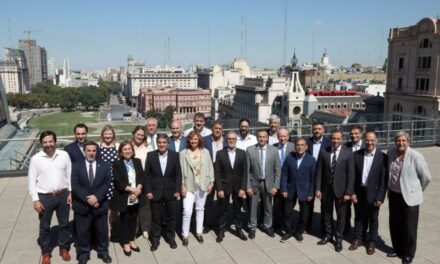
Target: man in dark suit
column 297, row 183
column 230, row 177
column 334, row 186
column 284, row 147
column 90, row 184
column 213, row 143
column 316, row 142
column 163, row 184
column 177, row 142
column 356, row 143
column 76, row 148
column 370, row 187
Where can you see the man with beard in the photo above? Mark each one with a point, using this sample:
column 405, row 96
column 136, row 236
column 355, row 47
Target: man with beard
column 199, row 126
column 245, row 139
column 274, row 125
column 49, row 187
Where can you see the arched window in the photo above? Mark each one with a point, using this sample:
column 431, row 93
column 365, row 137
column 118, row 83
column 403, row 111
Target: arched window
column 420, row 124
column 425, row 44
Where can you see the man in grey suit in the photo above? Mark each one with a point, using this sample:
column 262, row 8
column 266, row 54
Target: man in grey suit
column 334, row 186
column 263, row 180
column 284, row 147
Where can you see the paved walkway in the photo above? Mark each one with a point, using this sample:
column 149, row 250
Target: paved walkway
column 19, row 226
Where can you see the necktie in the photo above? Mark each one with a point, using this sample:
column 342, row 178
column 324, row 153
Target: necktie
column 262, row 164
column 282, row 156
column 333, row 165
column 91, row 176
column 152, row 142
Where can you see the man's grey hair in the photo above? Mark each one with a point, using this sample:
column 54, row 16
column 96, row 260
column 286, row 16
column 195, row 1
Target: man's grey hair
column 402, row 133
column 274, row 118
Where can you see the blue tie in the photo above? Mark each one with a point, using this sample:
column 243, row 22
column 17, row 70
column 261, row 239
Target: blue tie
column 282, row 155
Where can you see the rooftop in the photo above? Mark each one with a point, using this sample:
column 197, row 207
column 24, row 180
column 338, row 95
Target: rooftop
column 19, row 231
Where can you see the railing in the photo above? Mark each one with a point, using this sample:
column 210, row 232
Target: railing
column 423, row 132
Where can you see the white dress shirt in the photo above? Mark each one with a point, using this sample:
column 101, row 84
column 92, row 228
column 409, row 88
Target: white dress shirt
column 262, row 160
column 368, row 161
column 231, row 154
column 244, row 143
column 316, row 147
column 49, row 174
column 273, row 138
column 163, row 159
column 151, row 139
column 216, row 148
column 335, row 152
column 93, row 167
column 356, row 147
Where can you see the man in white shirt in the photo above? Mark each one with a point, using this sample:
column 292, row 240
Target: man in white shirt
column 245, row 139
column 199, row 126
column 274, row 125
column 50, row 187
column 151, row 127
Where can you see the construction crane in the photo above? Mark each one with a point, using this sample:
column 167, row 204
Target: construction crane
column 31, row 69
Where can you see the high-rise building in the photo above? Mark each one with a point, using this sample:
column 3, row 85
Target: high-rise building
column 36, row 59
column 15, row 75
column 413, row 70
column 50, row 68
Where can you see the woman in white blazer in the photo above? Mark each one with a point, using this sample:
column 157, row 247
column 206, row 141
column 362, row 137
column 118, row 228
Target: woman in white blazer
column 197, row 182
column 408, row 177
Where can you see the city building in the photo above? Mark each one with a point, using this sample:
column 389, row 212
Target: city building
column 13, row 69
column 184, row 101
column 51, row 68
column 412, row 87
column 36, row 59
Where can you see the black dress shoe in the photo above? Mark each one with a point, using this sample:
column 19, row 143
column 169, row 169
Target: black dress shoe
column 105, row 258
column 338, row 246
column 220, row 236
column 406, row 260
column 154, row 246
column 392, row 254
column 173, row 244
column 185, row 242
column 325, row 240
column 82, row 261
column 241, row 235
column 270, row 232
column 127, row 253
column 199, row 239
column 135, row 249
column 251, row 234
column 206, row 229
column 298, row 236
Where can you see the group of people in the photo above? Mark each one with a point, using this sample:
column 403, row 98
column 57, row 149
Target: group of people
column 142, row 186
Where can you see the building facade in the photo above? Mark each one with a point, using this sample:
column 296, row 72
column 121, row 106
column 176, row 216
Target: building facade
column 412, row 87
column 36, row 59
column 185, row 102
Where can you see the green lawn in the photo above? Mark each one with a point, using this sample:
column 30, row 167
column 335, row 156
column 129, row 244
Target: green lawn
column 62, row 123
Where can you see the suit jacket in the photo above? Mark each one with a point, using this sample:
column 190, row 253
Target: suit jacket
column 182, row 145
column 74, row 152
column 81, row 187
column 324, row 143
column 343, row 177
column 272, row 167
column 207, row 144
column 290, row 147
column 163, row 186
column 230, row 179
column 350, row 145
column 376, row 181
column 206, row 170
column 414, row 176
column 298, row 182
column 120, row 178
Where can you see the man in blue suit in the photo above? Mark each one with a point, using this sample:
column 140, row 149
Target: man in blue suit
column 75, row 149
column 90, row 184
column 177, row 141
column 297, row 183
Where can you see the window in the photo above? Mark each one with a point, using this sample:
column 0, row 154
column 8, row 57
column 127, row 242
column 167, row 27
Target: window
column 401, row 63
column 425, row 43
column 399, row 83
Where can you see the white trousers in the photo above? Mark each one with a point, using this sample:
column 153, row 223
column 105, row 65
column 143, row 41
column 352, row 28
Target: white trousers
column 199, row 197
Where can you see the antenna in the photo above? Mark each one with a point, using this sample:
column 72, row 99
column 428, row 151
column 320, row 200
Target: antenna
column 245, row 36
column 209, row 46
column 313, row 46
column 285, row 31
column 168, row 51
column 9, row 29
column 242, row 38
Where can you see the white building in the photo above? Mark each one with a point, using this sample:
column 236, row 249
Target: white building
column 373, row 89
column 11, row 77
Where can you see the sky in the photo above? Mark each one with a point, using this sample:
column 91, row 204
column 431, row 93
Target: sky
column 97, row 34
